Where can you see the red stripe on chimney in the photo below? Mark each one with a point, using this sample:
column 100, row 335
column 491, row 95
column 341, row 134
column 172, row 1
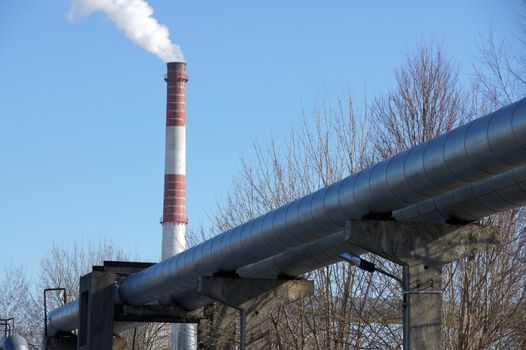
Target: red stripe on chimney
column 176, row 94
column 174, row 207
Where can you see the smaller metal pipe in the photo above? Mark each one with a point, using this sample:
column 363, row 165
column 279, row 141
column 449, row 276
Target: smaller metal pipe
column 397, row 279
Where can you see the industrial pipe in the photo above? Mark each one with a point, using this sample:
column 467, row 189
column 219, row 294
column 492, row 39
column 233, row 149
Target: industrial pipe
column 472, row 202
column 468, row 203
column 486, row 146
column 489, row 145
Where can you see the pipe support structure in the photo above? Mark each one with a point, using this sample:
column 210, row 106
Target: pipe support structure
column 481, row 149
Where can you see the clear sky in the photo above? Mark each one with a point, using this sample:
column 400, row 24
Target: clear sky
column 82, row 108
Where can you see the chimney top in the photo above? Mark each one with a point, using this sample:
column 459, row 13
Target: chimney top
column 176, row 71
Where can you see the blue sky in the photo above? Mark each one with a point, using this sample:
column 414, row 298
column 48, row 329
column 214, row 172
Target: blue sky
column 82, row 107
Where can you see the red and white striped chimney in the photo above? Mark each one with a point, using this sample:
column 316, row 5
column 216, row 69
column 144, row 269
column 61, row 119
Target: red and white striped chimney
column 174, row 209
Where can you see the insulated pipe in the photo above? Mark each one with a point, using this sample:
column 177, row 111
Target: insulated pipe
column 468, row 203
column 292, row 263
column 489, row 145
column 67, row 318
column 327, row 210
column 296, row 262
column 471, row 202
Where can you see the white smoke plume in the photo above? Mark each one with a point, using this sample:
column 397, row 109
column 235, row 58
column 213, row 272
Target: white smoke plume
column 135, row 18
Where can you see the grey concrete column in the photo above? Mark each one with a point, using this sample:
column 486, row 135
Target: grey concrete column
column 97, row 298
column 425, row 306
column 422, row 250
column 103, row 315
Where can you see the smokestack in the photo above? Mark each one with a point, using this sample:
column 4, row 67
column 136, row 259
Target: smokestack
column 184, row 336
column 174, row 209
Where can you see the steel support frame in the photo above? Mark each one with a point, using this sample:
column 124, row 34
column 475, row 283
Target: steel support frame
column 422, row 249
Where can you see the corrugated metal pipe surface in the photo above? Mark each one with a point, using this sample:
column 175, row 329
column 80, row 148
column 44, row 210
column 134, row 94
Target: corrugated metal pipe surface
column 487, row 146
column 468, row 203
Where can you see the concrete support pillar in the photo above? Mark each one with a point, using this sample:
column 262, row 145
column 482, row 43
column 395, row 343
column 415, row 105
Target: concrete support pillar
column 253, row 298
column 103, row 316
column 422, row 250
column 97, row 298
column 425, row 306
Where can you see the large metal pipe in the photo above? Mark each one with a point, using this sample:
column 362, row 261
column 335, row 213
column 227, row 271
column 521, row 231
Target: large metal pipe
column 489, row 145
column 486, row 146
column 468, row 203
column 294, row 262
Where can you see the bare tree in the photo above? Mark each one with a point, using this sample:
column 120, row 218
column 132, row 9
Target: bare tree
column 426, row 102
column 14, row 297
column 483, row 293
column 62, row 267
column 322, row 149
column 344, row 312
column 500, row 74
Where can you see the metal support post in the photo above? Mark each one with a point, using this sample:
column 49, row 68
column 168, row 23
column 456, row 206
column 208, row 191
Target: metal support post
column 404, row 285
column 8, row 326
column 242, row 329
column 254, row 299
